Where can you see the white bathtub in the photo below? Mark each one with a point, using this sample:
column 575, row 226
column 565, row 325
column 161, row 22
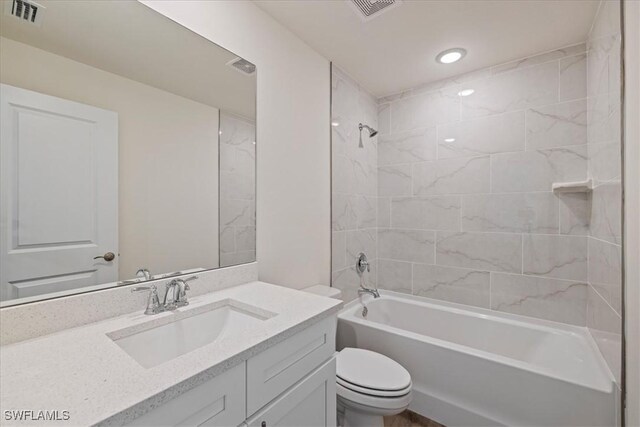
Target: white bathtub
column 476, row 367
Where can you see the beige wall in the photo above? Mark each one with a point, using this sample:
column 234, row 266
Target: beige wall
column 168, row 191
column 293, row 203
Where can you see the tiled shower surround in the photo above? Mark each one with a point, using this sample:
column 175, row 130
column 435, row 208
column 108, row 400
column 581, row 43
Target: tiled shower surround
column 604, row 264
column 467, row 213
column 354, row 182
column 237, row 190
column 465, row 207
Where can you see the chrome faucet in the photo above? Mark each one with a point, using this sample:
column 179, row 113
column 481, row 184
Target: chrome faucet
column 143, row 273
column 176, row 295
column 369, row 291
column 153, row 303
column 362, row 264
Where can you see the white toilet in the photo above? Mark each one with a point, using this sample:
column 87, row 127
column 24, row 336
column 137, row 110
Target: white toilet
column 369, row 386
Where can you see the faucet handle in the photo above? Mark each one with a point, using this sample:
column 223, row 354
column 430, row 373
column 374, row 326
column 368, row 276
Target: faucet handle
column 186, row 285
column 144, row 288
column 362, row 264
column 153, row 302
column 181, row 293
column 143, row 273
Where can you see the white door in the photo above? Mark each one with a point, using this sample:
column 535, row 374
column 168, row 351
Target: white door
column 59, row 194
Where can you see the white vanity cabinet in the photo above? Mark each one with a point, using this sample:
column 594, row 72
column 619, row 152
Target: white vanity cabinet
column 217, row 402
column 309, row 403
column 278, row 368
column 289, row 384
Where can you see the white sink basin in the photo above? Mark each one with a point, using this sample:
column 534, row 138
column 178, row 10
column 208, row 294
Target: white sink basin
column 184, row 331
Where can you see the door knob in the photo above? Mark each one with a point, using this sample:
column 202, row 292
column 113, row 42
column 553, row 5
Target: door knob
column 109, row 256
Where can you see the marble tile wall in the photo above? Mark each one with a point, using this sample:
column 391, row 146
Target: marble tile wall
column 454, row 202
column 604, row 147
column 465, row 208
column 237, row 190
column 354, row 183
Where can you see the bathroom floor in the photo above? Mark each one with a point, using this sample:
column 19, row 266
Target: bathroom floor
column 409, row 419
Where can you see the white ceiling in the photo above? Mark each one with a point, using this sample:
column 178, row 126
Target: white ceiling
column 397, row 50
column 133, row 41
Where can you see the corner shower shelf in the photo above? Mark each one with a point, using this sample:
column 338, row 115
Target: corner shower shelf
column 572, row 187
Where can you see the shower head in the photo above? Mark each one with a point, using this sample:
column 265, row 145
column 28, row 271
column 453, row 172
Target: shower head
column 372, row 132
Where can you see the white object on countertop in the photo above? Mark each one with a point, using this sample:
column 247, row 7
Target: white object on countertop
column 325, row 291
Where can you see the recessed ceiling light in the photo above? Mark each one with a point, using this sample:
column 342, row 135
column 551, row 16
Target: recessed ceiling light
column 450, row 56
column 449, row 139
column 466, row 92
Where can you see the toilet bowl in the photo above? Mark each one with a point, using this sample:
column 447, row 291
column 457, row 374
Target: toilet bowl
column 369, row 386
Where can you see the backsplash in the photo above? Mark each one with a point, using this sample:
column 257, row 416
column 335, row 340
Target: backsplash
column 27, row 321
column 603, row 71
column 353, row 183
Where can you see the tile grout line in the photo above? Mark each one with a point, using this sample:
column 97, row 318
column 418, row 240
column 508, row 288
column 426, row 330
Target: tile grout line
column 603, row 300
column 412, row 279
column 560, row 215
column 522, row 254
column 490, row 290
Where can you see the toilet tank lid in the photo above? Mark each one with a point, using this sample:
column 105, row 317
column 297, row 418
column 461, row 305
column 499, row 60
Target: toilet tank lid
column 365, row 368
column 325, row 291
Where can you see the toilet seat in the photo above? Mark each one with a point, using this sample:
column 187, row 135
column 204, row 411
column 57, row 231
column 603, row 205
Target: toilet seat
column 371, row 373
column 373, row 404
column 372, row 392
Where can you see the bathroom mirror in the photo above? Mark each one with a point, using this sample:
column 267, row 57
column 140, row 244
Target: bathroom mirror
column 127, row 149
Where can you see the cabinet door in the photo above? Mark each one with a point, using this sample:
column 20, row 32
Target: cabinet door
column 309, row 403
column 278, row 368
column 218, row 402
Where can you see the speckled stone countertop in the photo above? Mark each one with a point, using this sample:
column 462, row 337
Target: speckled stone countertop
column 83, row 371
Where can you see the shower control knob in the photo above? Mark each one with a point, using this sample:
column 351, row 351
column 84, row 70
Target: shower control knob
column 362, row 264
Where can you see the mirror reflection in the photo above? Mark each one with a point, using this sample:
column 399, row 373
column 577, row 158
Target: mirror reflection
column 110, row 112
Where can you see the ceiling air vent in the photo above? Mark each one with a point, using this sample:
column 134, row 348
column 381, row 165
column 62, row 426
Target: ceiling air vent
column 25, row 10
column 242, row 65
column 369, row 9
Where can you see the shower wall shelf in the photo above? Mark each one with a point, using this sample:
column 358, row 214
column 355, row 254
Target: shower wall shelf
column 585, row 186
